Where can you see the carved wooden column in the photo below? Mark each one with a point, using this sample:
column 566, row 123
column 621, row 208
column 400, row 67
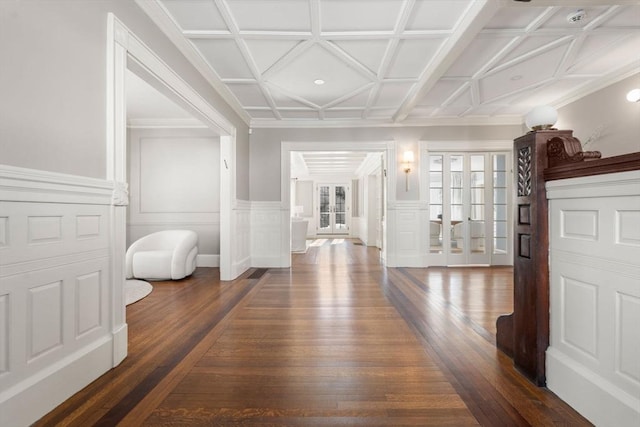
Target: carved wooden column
column 524, row 334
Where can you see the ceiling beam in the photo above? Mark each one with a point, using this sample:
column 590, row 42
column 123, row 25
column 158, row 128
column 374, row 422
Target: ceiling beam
column 476, row 17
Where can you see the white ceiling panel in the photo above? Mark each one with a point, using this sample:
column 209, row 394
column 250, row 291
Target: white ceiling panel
column 359, row 15
column 317, row 63
column 195, row 15
column 512, row 18
column 441, row 92
column 224, row 57
column 392, row 93
column 528, row 45
column 523, row 74
column 430, row 15
column 411, row 57
column 272, row 15
column 249, row 95
column 386, row 60
column 367, row 52
column 265, row 53
column 481, row 50
column 624, row 17
column 616, row 53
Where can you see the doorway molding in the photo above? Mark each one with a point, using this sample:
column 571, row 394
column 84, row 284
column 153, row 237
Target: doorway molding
column 387, row 148
column 124, row 46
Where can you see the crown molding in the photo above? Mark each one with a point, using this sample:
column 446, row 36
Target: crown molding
column 359, row 123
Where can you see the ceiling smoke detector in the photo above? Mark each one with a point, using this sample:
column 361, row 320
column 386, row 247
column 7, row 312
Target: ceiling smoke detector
column 576, row 16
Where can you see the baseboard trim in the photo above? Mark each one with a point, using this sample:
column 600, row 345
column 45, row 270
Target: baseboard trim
column 597, row 399
column 31, row 399
column 206, row 260
column 268, row 262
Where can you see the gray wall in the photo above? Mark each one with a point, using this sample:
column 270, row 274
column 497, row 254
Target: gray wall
column 266, row 147
column 607, row 116
column 53, row 84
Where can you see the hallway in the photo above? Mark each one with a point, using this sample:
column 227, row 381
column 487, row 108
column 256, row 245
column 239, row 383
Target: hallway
column 335, row 340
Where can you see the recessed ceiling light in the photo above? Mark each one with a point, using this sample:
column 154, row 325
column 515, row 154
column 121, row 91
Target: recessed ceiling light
column 633, row 95
column 318, row 82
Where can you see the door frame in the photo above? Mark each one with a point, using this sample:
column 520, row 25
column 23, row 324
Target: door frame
column 124, row 46
column 386, row 148
column 480, row 146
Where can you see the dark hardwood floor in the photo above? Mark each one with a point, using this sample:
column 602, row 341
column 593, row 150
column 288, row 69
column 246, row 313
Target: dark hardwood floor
column 335, row 340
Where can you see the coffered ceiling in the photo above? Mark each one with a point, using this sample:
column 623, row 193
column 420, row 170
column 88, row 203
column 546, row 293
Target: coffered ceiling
column 401, row 62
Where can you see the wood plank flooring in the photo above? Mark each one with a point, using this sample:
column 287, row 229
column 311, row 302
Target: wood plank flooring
column 335, row 340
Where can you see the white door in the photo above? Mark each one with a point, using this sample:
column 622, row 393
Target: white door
column 332, row 209
column 468, row 198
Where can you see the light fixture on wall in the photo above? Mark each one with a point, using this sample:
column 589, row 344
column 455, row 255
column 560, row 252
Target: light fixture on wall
column 542, row 117
column 633, row 95
column 407, row 161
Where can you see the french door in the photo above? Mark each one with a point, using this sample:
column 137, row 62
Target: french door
column 332, row 209
column 469, row 208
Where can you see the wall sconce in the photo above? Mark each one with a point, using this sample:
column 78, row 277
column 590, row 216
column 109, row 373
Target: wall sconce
column 407, row 161
column 542, row 117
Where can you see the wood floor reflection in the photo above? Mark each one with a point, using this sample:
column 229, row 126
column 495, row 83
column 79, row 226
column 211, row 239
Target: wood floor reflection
column 335, row 340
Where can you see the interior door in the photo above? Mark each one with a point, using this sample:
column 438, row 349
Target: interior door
column 332, row 209
column 468, row 198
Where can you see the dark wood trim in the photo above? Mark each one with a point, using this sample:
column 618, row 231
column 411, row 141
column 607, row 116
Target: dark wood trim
column 623, row 163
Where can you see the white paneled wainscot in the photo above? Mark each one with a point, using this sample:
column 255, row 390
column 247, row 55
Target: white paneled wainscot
column 593, row 361
column 57, row 327
column 270, row 246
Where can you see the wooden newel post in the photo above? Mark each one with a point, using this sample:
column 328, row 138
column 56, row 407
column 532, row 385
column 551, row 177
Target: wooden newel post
column 524, row 334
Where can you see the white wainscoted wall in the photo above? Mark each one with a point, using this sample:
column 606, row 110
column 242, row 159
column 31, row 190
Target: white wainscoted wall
column 241, row 239
column 593, row 361
column 58, row 301
column 268, row 220
column 407, row 245
column 174, row 177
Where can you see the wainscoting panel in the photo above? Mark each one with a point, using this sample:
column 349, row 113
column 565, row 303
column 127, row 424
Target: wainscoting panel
column 406, row 238
column 242, row 237
column 593, row 361
column 55, row 289
column 266, row 228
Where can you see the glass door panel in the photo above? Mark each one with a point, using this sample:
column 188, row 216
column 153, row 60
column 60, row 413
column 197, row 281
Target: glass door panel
column 340, row 209
column 332, row 209
column 500, row 179
column 477, row 205
column 435, row 204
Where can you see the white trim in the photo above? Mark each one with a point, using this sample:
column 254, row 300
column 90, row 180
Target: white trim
column 566, row 378
column 468, row 145
column 609, row 185
column 161, row 18
column 27, row 401
column 31, row 185
column 207, row 260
